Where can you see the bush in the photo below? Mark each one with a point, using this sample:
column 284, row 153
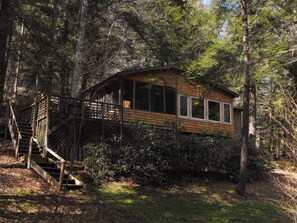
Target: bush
column 148, row 155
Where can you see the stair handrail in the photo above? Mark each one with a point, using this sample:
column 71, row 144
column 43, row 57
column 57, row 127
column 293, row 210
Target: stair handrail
column 45, row 151
column 12, row 122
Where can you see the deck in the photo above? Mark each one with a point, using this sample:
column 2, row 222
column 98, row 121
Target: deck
column 67, row 124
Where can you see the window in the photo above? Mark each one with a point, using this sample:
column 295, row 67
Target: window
column 198, row 108
column 183, row 105
column 128, row 94
column 142, row 96
column 157, row 98
column 214, row 111
column 227, row 113
column 170, row 100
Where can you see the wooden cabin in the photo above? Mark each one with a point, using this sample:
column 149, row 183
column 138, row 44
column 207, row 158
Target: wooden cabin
column 162, row 94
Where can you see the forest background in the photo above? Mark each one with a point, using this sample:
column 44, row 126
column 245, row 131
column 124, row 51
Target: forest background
column 63, row 47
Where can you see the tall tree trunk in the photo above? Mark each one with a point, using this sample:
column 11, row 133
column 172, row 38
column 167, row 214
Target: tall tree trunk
column 18, row 68
column 51, row 50
column 63, row 65
column 253, row 113
column 5, row 24
column 75, row 80
column 245, row 129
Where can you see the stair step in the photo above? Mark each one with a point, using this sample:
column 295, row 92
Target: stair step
column 72, row 186
column 55, row 174
column 25, row 128
column 52, row 169
column 44, row 164
column 27, row 151
column 68, row 181
column 26, row 133
column 27, row 148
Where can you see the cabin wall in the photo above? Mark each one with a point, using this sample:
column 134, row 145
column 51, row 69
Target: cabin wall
column 186, row 88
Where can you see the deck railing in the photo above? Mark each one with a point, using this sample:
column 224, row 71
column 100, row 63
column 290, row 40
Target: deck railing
column 84, row 108
column 67, row 124
column 14, row 130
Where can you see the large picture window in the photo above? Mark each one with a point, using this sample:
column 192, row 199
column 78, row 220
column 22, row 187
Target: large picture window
column 198, row 108
column 214, row 111
column 227, row 113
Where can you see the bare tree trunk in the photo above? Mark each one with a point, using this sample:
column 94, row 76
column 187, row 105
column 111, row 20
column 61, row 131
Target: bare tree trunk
column 245, row 129
column 253, row 113
column 52, row 39
column 5, row 24
column 64, row 75
column 18, row 68
column 75, row 80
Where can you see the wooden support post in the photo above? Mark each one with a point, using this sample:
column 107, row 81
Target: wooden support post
column 61, row 176
column 48, row 100
column 30, row 154
column 121, row 111
column 17, row 145
column 7, row 120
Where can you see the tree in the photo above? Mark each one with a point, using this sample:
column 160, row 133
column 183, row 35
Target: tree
column 75, row 79
column 5, row 30
column 245, row 127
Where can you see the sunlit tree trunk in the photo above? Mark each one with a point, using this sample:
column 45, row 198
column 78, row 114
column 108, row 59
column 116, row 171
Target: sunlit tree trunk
column 253, row 114
column 52, row 39
column 245, row 129
column 75, row 80
column 64, row 62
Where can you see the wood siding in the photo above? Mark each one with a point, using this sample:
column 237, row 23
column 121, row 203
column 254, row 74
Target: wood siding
column 185, row 87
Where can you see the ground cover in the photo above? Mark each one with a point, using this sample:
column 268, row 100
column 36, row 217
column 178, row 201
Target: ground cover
column 25, row 197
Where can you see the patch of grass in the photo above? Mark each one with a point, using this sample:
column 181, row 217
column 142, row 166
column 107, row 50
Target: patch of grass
column 189, row 204
column 25, row 207
column 25, row 191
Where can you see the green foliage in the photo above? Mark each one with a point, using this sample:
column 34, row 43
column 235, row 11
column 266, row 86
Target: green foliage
column 99, row 161
column 150, row 155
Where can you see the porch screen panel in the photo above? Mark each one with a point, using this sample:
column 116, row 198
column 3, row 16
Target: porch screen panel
column 128, row 94
column 141, row 96
column 170, row 100
column 157, row 98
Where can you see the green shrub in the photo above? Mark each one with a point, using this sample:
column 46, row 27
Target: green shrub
column 99, row 162
column 148, row 155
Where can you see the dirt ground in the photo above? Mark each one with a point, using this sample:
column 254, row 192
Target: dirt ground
column 26, row 197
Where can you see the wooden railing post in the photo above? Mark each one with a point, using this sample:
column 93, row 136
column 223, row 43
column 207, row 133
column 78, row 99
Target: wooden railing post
column 13, row 126
column 17, row 145
column 35, row 117
column 61, row 176
column 48, row 102
column 30, row 154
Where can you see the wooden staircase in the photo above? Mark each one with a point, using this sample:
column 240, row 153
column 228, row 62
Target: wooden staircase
column 45, row 167
column 42, row 160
